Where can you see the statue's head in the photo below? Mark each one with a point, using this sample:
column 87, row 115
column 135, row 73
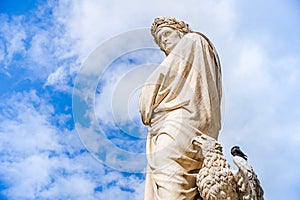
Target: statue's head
column 167, row 31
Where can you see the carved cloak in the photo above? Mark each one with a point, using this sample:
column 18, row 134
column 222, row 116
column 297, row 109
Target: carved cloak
column 180, row 99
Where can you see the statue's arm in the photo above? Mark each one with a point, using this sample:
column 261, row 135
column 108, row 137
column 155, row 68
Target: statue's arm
column 147, row 100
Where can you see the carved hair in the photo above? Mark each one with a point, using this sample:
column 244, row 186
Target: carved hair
column 169, row 22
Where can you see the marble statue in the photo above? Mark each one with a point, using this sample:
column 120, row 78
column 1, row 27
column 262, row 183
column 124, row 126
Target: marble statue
column 179, row 101
column 180, row 104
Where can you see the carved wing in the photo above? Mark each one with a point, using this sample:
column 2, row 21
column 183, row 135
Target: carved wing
column 249, row 187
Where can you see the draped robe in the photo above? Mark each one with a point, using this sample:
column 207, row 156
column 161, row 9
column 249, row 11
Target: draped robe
column 180, row 100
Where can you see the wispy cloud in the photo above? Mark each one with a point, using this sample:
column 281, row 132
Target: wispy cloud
column 40, row 161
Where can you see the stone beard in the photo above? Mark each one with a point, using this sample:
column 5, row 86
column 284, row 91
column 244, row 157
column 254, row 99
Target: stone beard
column 180, row 100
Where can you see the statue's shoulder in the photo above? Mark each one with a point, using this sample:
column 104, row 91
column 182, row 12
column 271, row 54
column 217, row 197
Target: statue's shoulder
column 193, row 35
column 197, row 36
column 204, row 39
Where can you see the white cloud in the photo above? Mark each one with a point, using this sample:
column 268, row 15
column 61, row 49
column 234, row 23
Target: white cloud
column 118, row 84
column 251, row 72
column 14, row 35
column 38, row 160
column 59, row 80
column 89, row 23
column 36, row 45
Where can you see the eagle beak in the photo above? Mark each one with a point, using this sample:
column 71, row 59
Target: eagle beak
column 195, row 141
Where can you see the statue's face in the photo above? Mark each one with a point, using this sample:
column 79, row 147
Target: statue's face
column 167, row 38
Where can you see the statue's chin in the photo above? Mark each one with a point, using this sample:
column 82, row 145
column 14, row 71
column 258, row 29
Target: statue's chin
column 167, row 51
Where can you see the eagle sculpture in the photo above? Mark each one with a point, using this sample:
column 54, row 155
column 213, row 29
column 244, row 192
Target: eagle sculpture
column 216, row 180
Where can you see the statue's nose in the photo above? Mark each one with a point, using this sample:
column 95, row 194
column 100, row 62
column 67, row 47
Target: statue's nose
column 165, row 43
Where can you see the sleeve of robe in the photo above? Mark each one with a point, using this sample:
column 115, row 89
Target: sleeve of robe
column 188, row 78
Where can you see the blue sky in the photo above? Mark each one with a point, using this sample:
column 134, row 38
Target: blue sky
column 45, row 46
